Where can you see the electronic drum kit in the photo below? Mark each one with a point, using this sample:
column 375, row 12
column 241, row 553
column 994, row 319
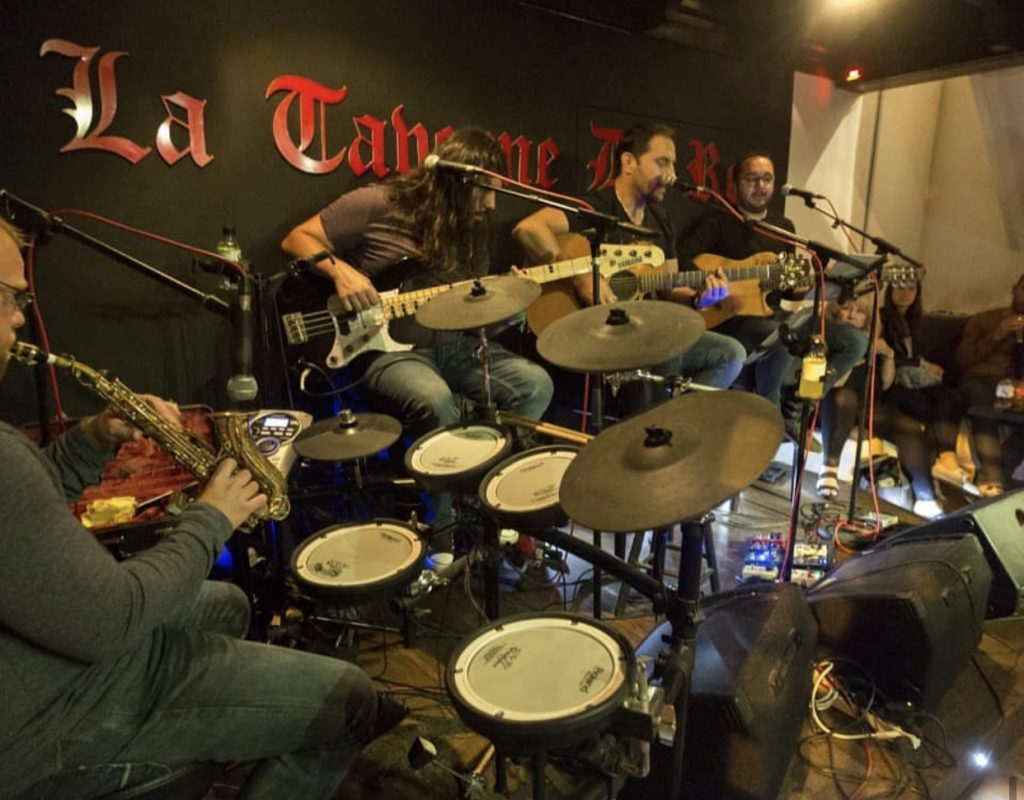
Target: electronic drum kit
column 536, row 683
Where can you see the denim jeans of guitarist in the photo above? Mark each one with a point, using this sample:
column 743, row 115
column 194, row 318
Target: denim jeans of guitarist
column 210, row 696
column 424, row 388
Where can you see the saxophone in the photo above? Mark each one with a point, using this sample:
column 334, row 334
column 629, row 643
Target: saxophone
column 189, row 449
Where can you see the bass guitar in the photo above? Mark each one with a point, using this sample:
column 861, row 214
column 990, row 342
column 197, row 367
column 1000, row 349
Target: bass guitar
column 317, row 327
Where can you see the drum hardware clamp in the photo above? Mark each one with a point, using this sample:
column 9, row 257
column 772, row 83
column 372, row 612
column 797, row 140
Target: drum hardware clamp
column 422, row 753
column 427, row 581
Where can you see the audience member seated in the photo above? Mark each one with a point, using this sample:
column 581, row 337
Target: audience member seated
column 918, row 389
column 991, row 350
column 916, row 445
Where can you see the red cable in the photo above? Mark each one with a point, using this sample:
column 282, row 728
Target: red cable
column 154, row 236
column 44, row 339
column 505, row 179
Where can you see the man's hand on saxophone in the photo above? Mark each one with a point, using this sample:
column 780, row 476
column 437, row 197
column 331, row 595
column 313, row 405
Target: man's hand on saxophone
column 233, row 492
column 108, row 430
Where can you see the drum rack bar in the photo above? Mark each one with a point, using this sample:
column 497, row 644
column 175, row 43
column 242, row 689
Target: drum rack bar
column 646, row 585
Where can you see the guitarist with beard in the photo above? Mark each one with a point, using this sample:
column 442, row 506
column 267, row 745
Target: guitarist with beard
column 726, row 236
column 646, row 155
column 435, row 219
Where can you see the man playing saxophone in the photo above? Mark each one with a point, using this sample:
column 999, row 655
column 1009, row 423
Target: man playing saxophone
column 112, row 673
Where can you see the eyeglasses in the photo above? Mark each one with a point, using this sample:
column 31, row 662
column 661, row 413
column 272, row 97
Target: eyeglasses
column 20, row 298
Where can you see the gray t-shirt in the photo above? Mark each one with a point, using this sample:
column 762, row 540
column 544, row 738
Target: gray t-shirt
column 370, row 233
column 75, row 625
column 367, row 231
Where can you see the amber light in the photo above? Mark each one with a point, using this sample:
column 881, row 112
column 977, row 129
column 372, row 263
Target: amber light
column 854, row 74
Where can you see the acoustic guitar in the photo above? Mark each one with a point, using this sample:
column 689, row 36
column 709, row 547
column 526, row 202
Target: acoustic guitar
column 750, row 280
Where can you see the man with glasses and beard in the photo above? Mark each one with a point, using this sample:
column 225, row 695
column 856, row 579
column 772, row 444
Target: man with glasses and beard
column 724, row 235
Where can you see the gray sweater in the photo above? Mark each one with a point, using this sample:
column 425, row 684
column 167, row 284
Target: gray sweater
column 75, row 623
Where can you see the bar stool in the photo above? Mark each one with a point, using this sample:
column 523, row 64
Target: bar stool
column 660, row 544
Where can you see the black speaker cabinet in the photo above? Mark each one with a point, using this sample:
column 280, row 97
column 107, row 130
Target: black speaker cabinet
column 999, row 525
column 909, row 612
column 751, row 684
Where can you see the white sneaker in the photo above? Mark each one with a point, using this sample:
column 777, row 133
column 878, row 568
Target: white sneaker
column 929, row 509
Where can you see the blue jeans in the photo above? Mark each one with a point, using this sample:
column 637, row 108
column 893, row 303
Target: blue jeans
column 715, row 360
column 420, row 385
column 846, row 346
column 776, row 367
column 772, row 365
column 209, row 696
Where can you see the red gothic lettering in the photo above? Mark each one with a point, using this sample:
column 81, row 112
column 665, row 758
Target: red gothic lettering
column 194, row 124
column 80, row 93
column 443, row 135
column 402, row 135
column 547, row 152
column 702, row 168
column 356, row 162
column 309, row 93
column 520, row 171
column 602, row 164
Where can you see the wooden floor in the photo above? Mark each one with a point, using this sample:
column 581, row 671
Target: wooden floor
column 980, row 709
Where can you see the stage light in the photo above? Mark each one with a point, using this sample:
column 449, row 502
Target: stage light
column 853, row 74
column 981, row 759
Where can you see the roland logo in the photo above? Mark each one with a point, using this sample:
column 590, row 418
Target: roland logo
column 502, row 656
column 590, row 678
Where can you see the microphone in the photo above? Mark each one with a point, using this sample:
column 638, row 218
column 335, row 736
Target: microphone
column 673, row 180
column 788, row 189
column 434, row 162
column 242, row 386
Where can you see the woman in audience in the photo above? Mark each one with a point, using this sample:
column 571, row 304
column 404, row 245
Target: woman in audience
column 917, row 389
column 915, row 443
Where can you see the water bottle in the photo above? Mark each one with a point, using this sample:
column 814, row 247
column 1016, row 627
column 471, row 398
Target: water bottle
column 812, row 372
column 228, row 246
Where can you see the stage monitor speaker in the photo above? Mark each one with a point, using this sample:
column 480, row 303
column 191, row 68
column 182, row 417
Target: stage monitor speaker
column 999, row 525
column 751, row 685
column 910, row 613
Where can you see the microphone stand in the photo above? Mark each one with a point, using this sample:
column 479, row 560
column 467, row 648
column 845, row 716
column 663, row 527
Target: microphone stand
column 242, row 387
column 798, row 348
column 883, row 248
column 55, row 224
column 601, row 224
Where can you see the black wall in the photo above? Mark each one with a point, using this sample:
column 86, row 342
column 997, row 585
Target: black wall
column 493, row 63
